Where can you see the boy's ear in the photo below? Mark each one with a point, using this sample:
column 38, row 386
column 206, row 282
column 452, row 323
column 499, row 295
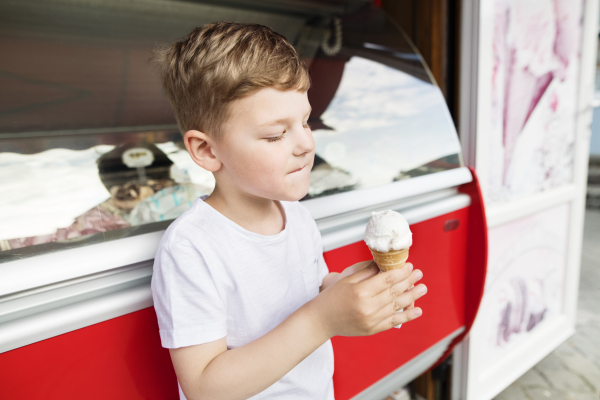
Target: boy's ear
column 199, row 146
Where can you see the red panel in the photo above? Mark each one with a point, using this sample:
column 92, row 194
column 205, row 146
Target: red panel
column 122, row 358
column 476, row 257
column 118, row 359
column 441, row 255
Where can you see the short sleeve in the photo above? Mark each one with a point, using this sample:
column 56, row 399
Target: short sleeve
column 318, row 248
column 187, row 303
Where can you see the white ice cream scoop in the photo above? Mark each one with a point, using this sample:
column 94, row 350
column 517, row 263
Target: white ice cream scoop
column 387, row 231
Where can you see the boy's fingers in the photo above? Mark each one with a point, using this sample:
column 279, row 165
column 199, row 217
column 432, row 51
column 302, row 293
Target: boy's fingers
column 367, row 270
column 386, row 280
column 399, row 318
column 408, row 298
column 387, row 296
column 402, row 302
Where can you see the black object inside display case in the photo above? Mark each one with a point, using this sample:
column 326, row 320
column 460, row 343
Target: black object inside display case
column 78, row 92
column 114, row 169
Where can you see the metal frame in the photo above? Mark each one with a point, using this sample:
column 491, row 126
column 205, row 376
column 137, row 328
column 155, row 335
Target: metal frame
column 467, row 128
column 469, row 51
column 357, row 199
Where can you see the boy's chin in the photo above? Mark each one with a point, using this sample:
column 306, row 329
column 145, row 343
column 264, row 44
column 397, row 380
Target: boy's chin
column 294, row 195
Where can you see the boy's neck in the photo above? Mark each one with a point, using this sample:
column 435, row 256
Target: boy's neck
column 255, row 214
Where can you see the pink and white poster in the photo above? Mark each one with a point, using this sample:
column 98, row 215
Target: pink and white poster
column 525, row 282
column 530, row 78
column 532, row 67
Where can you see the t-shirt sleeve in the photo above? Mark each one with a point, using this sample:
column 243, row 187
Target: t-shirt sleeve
column 318, row 248
column 187, row 303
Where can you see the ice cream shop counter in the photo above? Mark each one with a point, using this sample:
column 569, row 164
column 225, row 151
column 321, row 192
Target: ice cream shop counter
column 93, row 170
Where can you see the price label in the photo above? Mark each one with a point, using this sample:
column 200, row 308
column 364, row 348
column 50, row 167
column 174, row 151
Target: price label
column 138, row 157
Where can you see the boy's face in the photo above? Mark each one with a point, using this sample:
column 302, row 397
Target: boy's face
column 267, row 149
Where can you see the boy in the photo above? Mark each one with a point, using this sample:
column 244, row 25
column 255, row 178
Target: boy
column 244, row 299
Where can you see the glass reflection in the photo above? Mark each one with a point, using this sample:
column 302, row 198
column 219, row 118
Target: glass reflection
column 383, row 124
column 89, row 148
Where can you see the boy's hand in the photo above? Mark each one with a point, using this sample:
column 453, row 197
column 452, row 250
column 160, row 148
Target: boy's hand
column 333, row 277
column 354, row 268
column 357, row 267
column 365, row 302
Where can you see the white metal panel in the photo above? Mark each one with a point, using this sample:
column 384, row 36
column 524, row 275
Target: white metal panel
column 60, row 266
column 23, row 331
column 23, row 304
column 504, row 213
column 349, row 201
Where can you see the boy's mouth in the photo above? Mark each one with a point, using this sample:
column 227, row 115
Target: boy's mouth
column 299, row 169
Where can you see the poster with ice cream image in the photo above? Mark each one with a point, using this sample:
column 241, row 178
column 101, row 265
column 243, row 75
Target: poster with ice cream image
column 531, row 81
column 528, row 96
column 525, row 280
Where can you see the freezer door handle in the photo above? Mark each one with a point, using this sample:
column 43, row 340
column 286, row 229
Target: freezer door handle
column 451, row 225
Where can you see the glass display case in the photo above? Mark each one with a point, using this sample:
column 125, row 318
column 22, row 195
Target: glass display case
column 89, row 147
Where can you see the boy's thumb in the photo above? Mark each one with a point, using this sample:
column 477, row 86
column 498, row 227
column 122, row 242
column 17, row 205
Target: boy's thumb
column 369, row 269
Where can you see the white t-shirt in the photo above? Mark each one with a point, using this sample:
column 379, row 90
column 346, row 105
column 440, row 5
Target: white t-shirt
column 214, row 279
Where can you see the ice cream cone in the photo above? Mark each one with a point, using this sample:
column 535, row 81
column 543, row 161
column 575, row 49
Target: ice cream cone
column 392, row 259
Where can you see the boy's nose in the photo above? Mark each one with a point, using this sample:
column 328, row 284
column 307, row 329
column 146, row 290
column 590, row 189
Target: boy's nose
column 304, row 143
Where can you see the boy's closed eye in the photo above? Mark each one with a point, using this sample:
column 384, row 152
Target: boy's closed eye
column 305, row 125
column 276, row 138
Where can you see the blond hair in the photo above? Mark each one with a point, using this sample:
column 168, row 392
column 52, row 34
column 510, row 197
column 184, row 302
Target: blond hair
column 221, row 62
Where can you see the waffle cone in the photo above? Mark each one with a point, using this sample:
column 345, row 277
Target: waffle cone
column 393, row 259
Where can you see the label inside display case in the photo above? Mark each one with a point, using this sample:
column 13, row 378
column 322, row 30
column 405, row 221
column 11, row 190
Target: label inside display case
column 138, row 157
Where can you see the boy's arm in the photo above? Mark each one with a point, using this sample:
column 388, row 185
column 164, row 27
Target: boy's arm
column 361, row 304
column 209, row 371
column 329, row 280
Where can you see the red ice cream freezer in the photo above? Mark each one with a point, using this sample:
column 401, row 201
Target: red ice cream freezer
column 92, row 171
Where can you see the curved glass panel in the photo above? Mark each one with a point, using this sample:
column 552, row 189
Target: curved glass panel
column 89, row 148
column 386, row 125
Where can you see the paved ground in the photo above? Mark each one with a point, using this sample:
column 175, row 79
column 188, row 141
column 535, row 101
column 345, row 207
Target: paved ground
column 572, row 372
